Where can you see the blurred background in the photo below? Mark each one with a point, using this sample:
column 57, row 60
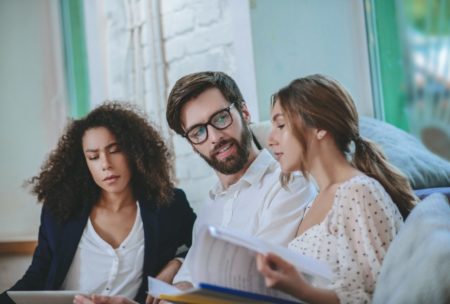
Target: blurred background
column 61, row 58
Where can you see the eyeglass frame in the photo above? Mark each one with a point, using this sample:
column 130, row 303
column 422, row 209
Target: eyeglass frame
column 208, row 123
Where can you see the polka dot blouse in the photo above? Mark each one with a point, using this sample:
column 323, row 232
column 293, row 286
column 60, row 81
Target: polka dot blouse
column 353, row 237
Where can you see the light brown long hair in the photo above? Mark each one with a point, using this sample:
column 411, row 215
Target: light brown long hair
column 320, row 102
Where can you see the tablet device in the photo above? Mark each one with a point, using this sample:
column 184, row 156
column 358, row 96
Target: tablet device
column 43, row 296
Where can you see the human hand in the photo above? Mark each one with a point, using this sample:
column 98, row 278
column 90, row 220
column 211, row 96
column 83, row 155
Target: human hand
column 180, row 285
column 167, row 274
column 184, row 285
column 282, row 275
column 151, row 300
column 97, row 299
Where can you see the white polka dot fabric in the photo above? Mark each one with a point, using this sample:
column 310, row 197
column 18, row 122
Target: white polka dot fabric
column 354, row 237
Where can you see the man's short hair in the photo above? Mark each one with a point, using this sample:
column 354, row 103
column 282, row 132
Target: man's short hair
column 192, row 85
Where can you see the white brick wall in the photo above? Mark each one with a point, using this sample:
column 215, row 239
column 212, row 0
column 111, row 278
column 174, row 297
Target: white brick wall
column 173, row 5
column 178, row 22
column 208, row 12
column 195, row 35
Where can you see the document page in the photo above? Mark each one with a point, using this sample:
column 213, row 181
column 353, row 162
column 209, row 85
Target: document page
column 313, row 270
column 222, row 263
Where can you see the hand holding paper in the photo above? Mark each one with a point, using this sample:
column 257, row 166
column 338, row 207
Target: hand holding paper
column 224, row 271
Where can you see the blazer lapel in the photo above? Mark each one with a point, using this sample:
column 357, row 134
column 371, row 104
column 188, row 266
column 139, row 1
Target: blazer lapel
column 70, row 239
column 150, row 222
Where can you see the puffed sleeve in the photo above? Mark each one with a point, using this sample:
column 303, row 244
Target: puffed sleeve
column 365, row 223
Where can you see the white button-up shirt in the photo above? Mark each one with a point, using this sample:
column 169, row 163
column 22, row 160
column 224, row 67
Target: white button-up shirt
column 99, row 268
column 255, row 205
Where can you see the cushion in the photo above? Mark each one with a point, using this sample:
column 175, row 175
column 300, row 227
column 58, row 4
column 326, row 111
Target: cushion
column 423, row 168
column 261, row 130
column 423, row 193
column 417, row 264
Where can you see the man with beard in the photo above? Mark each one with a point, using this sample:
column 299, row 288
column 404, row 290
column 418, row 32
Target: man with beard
column 208, row 109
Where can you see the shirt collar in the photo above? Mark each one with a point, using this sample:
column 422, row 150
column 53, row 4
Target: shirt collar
column 252, row 176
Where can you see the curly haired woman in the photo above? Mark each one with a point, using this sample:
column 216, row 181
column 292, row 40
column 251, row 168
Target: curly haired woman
column 111, row 216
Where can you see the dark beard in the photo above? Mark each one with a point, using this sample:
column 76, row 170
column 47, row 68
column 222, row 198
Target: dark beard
column 233, row 163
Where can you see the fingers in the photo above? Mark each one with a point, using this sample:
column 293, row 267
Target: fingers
column 276, row 270
column 184, row 285
column 259, row 262
column 268, row 264
column 271, row 274
column 283, row 275
column 262, row 264
column 152, row 300
column 149, row 300
column 278, row 262
column 80, row 299
column 97, row 299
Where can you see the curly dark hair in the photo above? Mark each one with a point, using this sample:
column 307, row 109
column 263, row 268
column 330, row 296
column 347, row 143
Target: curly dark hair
column 65, row 184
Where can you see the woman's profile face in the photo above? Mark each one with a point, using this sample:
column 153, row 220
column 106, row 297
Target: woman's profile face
column 106, row 161
column 285, row 146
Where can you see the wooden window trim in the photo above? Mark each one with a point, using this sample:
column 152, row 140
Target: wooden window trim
column 17, row 247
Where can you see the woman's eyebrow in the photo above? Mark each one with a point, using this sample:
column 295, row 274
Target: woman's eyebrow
column 106, row 147
column 276, row 116
column 111, row 145
column 91, row 150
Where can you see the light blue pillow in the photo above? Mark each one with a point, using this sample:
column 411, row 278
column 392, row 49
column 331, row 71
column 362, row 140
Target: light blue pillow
column 416, row 268
column 423, row 168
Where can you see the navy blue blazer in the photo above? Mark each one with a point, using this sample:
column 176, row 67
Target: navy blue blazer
column 165, row 229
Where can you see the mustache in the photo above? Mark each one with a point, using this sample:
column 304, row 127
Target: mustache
column 220, row 145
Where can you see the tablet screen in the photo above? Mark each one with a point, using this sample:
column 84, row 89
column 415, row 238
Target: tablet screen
column 43, row 296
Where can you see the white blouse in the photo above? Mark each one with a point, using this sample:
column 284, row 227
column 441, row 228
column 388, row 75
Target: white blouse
column 354, row 237
column 99, row 268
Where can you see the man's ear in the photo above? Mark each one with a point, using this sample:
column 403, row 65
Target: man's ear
column 245, row 113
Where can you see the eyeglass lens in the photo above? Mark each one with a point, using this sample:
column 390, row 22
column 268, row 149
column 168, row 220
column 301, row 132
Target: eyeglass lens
column 220, row 121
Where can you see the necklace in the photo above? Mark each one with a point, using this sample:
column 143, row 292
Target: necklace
column 307, row 207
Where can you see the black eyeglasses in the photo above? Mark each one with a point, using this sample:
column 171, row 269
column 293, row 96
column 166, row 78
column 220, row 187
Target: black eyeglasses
column 220, row 120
